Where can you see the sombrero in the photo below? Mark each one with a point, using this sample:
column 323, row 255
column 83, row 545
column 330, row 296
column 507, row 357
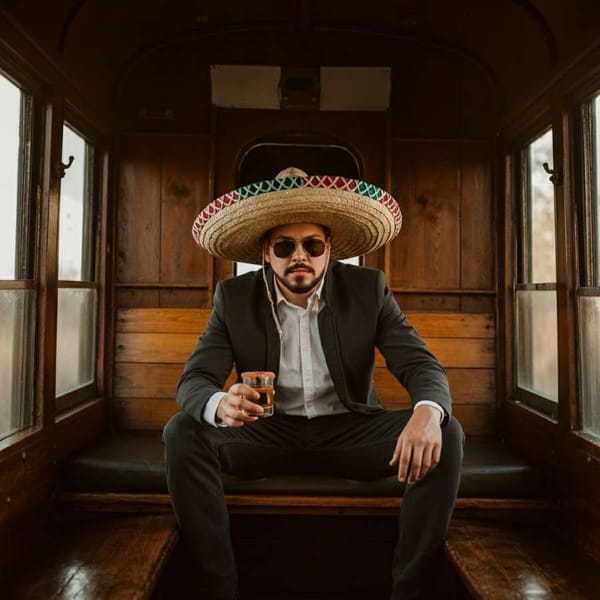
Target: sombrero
column 360, row 216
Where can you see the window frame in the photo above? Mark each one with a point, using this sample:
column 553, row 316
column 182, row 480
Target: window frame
column 65, row 402
column 588, row 228
column 523, row 264
column 26, row 277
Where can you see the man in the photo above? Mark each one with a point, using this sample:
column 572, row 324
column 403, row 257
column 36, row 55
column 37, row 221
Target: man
column 315, row 322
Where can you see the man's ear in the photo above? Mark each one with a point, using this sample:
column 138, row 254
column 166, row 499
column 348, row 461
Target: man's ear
column 266, row 253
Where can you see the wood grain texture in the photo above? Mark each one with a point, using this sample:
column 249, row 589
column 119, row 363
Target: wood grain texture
column 498, row 561
column 101, row 502
column 97, row 557
column 152, row 345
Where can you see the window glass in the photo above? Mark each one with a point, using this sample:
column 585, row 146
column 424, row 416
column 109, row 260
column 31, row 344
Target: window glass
column 16, row 294
column 16, row 350
column 77, row 293
column 537, row 344
column 10, row 143
column 589, row 351
column 596, row 191
column 589, row 297
column 536, row 337
column 73, row 192
column 76, row 339
column 542, row 267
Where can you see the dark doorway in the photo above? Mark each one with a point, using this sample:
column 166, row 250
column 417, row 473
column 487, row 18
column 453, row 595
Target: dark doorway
column 265, row 159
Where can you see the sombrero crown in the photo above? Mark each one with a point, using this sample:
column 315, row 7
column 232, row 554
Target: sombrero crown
column 360, row 216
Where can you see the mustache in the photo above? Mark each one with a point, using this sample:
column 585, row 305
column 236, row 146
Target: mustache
column 298, row 266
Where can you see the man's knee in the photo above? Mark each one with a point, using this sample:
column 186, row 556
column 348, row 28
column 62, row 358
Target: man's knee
column 453, row 439
column 179, row 435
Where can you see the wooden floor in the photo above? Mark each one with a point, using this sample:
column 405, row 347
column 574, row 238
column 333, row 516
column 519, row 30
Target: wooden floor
column 96, row 557
column 503, row 561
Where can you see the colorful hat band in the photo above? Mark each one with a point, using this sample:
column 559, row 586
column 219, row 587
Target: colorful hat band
column 322, row 182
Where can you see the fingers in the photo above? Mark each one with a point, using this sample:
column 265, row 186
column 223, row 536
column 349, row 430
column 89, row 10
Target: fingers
column 237, row 408
column 415, row 459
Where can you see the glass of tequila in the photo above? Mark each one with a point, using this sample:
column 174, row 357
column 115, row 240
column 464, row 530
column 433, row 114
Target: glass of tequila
column 262, row 382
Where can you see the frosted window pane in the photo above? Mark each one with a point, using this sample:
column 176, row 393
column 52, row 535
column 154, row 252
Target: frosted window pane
column 589, row 353
column 596, row 106
column 537, row 343
column 542, row 230
column 76, row 339
column 71, row 233
column 10, row 119
column 16, row 349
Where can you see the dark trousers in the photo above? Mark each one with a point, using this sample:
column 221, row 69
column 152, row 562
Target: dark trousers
column 351, row 445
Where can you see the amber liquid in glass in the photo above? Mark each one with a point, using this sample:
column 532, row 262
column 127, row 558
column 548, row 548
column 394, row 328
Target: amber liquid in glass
column 265, row 400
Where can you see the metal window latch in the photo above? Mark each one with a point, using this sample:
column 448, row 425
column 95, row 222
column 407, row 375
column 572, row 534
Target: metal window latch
column 556, row 175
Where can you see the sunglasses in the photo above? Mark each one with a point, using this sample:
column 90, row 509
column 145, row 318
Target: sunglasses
column 312, row 246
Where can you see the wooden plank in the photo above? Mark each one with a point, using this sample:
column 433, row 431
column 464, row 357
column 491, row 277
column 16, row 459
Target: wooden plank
column 468, row 386
column 154, row 347
column 101, row 557
column 498, row 561
column 270, row 504
column 142, row 414
column 151, row 414
column 157, row 380
column 142, row 380
column 183, row 195
column 477, row 238
column 177, row 347
column 138, row 218
column 162, row 320
column 186, row 320
column 453, row 325
column 458, row 353
column 427, row 179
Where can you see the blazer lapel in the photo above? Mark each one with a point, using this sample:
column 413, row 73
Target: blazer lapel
column 329, row 341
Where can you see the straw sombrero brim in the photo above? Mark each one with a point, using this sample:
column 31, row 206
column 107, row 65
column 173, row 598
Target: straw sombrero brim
column 360, row 216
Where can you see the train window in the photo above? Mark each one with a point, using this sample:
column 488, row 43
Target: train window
column 17, row 293
column 589, row 293
column 536, row 314
column 77, row 293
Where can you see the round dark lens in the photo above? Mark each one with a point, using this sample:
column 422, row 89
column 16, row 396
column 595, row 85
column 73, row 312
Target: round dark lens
column 283, row 248
column 314, row 247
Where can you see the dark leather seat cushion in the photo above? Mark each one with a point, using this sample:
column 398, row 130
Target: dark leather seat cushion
column 134, row 462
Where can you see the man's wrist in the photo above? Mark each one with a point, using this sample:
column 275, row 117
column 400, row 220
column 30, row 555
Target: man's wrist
column 433, row 405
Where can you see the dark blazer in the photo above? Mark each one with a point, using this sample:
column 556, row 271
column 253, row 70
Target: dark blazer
column 360, row 314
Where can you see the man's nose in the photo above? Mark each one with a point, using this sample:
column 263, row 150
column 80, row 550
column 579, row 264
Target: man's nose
column 299, row 253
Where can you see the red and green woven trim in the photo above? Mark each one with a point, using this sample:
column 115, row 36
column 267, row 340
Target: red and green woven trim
column 325, row 182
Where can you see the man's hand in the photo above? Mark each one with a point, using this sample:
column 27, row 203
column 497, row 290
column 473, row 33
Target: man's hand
column 419, row 446
column 236, row 408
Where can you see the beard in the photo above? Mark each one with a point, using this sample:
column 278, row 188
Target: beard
column 300, row 284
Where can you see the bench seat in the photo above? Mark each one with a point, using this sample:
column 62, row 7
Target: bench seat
column 133, row 463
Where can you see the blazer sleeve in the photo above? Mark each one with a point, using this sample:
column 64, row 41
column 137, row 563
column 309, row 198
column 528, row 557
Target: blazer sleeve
column 209, row 365
column 407, row 356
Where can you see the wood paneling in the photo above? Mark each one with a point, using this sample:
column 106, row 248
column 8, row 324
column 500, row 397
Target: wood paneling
column 169, row 320
column 447, row 241
column 163, row 186
column 153, row 344
column 138, row 214
column 477, row 239
column 426, row 183
column 184, row 184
